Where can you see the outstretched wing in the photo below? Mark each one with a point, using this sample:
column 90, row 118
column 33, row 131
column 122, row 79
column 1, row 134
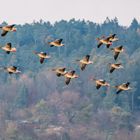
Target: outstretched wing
column 58, row 74
column 116, row 55
column 112, row 69
column 13, row 67
column 4, row 33
column 126, row 84
column 86, row 58
column 112, row 36
column 98, row 86
column 41, row 60
column 82, row 66
column 72, row 72
column 58, row 41
column 10, row 26
column 99, row 45
column 118, row 91
column 67, row 81
column 8, row 52
column 8, row 45
column 108, row 45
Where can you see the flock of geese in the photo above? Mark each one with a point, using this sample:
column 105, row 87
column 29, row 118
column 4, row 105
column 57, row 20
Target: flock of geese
column 61, row 71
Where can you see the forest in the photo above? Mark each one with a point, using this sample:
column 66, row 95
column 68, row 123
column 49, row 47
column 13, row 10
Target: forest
column 38, row 105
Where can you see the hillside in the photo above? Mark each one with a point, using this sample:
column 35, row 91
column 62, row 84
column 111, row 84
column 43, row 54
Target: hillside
column 37, row 105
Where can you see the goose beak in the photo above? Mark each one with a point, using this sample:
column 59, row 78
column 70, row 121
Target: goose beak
column 76, row 76
column 14, row 50
column 108, row 85
column 49, row 56
column 18, row 71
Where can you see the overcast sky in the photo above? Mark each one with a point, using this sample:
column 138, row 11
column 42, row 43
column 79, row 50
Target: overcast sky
column 22, row 11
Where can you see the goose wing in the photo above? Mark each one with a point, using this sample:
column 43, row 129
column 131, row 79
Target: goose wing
column 67, row 81
column 99, row 44
column 9, row 46
column 98, row 86
column 116, row 55
column 10, row 26
column 41, row 60
column 82, row 66
column 4, row 33
column 58, row 74
column 112, row 69
column 58, row 41
column 86, row 58
column 118, row 91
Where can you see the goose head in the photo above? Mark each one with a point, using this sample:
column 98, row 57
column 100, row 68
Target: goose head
column 14, row 29
column 14, row 49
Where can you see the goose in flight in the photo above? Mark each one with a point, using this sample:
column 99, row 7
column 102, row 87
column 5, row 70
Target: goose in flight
column 59, row 71
column 115, row 66
column 84, row 62
column 12, row 70
column 42, row 56
column 105, row 41
column 70, row 75
column 56, row 43
column 123, row 87
column 117, row 51
column 8, row 48
column 8, row 28
column 100, row 83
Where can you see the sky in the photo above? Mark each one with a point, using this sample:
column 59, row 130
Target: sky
column 25, row 11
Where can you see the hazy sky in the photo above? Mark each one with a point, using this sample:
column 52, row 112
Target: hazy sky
column 21, row 11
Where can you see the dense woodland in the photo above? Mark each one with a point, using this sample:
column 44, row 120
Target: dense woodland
column 37, row 105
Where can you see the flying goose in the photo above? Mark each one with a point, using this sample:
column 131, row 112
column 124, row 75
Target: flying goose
column 8, row 48
column 115, row 66
column 70, row 75
column 117, row 51
column 56, row 43
column 105, row 41
column 123, row 87
column 42, row 56
column 12, row 70
column 60, row 71
column 84, row 62
column 8, row 28
column 100, row 82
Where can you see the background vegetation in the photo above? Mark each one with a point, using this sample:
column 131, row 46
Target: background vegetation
column 37, row 105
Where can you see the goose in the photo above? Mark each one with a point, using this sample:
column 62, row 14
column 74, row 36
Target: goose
column 70, row 75
column 115, row 66
column 105, row 41
column 100, row 82
column 56, row 43
column 12, row 70
column 42, row 56
column 8, row 28
column 84, row 62
column 60, row 71
column 117, row 51
column 8, row 48
column 112, row 38
column 123, row 87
